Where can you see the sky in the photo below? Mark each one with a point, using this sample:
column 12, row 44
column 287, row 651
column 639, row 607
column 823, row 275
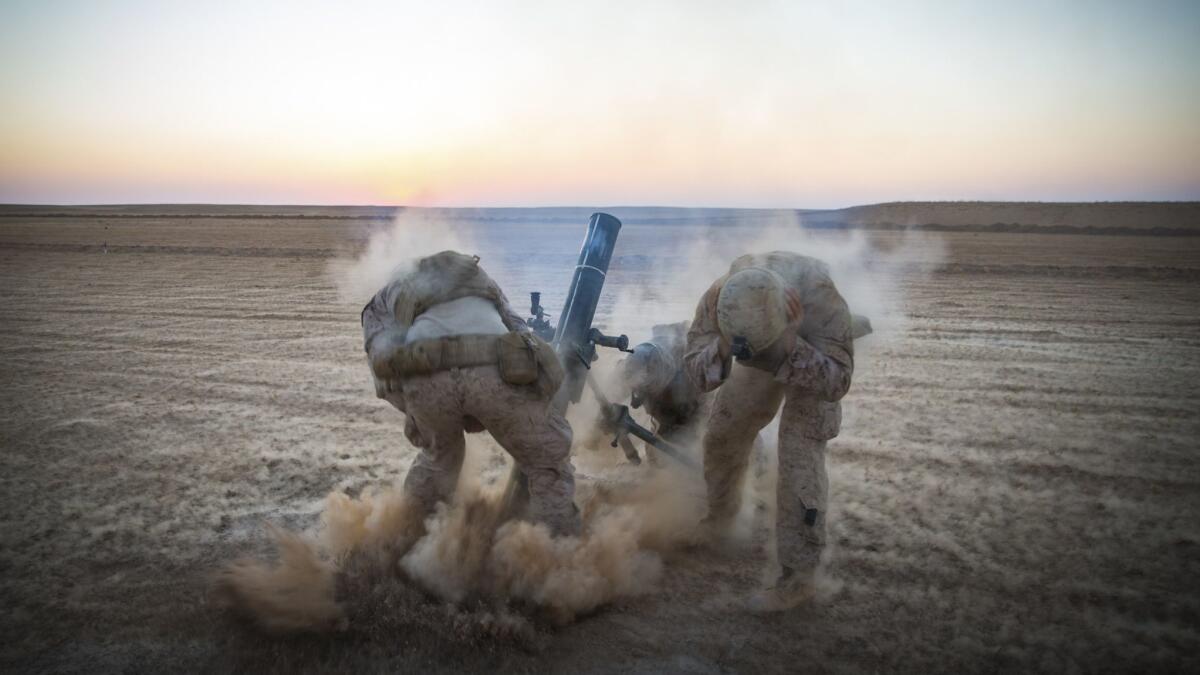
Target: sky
column 737, row 104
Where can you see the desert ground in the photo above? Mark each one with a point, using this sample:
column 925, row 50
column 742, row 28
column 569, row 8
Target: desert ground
column 1016, row 485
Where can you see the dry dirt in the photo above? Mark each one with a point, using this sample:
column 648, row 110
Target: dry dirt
column 1016, row 487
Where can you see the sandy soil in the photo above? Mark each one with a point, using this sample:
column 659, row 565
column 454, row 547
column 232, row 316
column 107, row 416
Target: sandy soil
column 1016, row 486
column 1174, row 218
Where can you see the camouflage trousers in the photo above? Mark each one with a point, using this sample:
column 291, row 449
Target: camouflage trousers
column 441, row 406
column 744, row 404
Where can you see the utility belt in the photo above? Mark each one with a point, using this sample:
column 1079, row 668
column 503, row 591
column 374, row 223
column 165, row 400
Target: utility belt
column 523, row 358
column 425, row 357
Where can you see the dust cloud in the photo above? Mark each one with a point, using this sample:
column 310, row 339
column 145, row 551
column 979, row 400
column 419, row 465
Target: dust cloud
column 413, row 234
column 463, row 554
column 865, row 270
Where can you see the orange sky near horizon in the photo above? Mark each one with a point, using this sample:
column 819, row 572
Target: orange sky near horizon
column 768, row 104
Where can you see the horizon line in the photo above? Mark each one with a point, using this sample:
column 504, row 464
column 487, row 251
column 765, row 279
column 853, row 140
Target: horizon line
column 594, row 206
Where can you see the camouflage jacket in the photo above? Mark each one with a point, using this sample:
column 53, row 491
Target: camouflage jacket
column 821, row 364
column 427, row 282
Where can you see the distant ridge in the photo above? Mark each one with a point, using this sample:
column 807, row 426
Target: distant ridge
column 1140, row 218
column 1064, row 217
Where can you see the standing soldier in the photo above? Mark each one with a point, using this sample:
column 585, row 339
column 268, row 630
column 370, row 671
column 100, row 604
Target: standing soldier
column 448, row 351
column 780, row 316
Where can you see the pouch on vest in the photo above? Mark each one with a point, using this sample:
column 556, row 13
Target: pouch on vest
column 517, row 360
column 552, row 374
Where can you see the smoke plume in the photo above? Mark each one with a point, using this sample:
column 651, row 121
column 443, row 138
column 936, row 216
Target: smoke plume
column 501, row 575
column 414, row 233
column 464, row 555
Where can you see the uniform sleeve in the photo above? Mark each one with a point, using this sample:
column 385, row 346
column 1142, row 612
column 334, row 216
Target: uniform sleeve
column 822, row 362
column 376, row 318
column 702, row 361
column 377, row 324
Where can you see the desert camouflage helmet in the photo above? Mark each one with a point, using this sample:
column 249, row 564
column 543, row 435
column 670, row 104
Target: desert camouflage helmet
column 648, row 368
column 752, row 305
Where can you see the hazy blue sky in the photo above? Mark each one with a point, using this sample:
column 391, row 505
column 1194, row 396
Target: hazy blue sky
column 600, row 103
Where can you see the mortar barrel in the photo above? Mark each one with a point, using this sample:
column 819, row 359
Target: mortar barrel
column 575, row 321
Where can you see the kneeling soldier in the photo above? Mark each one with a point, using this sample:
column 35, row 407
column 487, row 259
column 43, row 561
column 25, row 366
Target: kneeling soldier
column 654, row 376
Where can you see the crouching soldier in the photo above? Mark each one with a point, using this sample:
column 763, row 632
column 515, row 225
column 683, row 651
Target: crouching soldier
column 653, row 374
column 448, row 351
column 779, row 316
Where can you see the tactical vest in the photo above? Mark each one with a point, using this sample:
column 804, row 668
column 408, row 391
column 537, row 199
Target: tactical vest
column 522, row 357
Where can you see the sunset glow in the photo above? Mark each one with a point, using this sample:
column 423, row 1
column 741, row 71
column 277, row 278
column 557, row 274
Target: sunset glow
column 528, row 103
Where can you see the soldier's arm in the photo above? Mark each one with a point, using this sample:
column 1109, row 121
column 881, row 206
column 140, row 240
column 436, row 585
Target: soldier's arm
column 372, row 321
column 822, row 362
column 380, row 336
column 706, row 359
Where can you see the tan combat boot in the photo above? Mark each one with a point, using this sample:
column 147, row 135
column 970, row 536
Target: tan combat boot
column 789, row 591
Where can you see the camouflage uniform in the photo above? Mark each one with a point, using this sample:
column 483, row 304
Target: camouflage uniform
column 809, row 383
column 441, row 406
column 659, row 383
